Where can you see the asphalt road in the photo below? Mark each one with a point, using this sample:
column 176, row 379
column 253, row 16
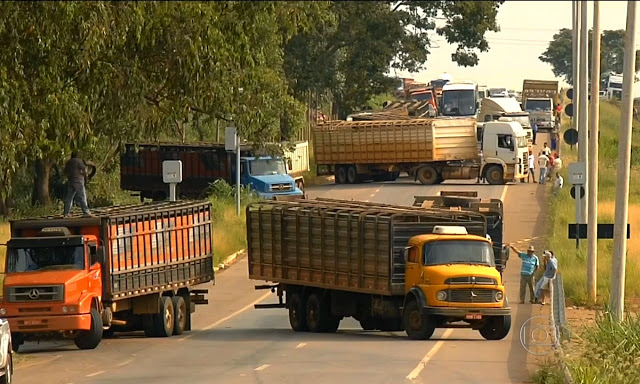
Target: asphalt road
column 234, row 343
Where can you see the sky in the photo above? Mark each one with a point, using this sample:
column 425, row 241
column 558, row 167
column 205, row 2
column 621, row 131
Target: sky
column 526, row 27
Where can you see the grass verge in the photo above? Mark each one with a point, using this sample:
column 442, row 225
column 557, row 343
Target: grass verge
column 605, row 353
column 572, row 261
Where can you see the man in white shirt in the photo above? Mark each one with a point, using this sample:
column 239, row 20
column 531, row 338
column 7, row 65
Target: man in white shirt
column 543, row 162
column 557, row 164
column 532, row 167
column 546, row 150
column 559, row 184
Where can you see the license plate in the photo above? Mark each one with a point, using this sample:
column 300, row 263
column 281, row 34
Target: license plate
column 473, row 316
column 32, row 322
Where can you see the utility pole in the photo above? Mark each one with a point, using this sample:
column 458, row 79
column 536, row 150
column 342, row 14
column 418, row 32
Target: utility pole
column 592, row 225
column 583, row 130
column 576, row 85
column 624, row 163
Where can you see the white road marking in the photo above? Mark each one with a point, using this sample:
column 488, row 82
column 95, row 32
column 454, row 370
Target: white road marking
column 504, row 193
column 263, row 366
column 43, row 361
column 234, row 314
column 95, row 374
column 423, row 363
column 301, row 345
column 125, row 363
column 372, row 195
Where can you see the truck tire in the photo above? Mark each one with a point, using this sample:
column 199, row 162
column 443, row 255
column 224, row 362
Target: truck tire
column 180, row 310
column 296, row 307
column 352, row 175
column 427, row 175
column 91, row 338
column 368, row 324
column 165, row 320
column 496, row 328
column 17, row 339
column 341, row 174
column 333, row 323
column 417, row 325
column 317, row 314
column 494, row 175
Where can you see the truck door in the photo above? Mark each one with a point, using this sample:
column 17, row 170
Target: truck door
column 412, row 269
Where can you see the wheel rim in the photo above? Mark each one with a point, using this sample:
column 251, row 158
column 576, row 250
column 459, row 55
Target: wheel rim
column 293, row 311
column 495, row 175
column 342, row 175
column 415, row 320
column 428, row 175
column 180, row 317
column 351, row 175
column 168, row 317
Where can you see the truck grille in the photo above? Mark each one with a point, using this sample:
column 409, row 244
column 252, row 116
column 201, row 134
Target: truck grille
column 281, row 187
column 471, row 280
column 471, row 295
column 35, row 293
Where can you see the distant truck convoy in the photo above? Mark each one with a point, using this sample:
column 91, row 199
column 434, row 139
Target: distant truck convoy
column 128, row 268
column 539, row 98
column 204, row 163
column 430, row 150
column 392, row 268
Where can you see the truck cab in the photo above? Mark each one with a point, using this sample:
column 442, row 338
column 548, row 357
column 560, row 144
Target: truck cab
column 267, row 176
column 505, row 150
column 56, row 277
column 459, row 99
column 494, row 108
column 541, row 111
column 450, row 277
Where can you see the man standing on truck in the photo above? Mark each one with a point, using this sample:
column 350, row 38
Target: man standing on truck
column 76, row 172
column 530, row 264
column 534, row 128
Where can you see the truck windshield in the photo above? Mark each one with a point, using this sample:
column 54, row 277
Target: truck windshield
column 458, row 103
column 265, row 167
column 458, row 252
column 538, row 105
column 45, row 258
column 427, row 96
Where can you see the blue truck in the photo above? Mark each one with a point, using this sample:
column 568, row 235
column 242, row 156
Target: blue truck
column 203, row 164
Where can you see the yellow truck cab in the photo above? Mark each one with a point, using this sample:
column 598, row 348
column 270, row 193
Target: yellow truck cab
column 451, row 277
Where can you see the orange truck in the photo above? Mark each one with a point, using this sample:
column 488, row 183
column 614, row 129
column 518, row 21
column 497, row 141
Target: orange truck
column 128, row 268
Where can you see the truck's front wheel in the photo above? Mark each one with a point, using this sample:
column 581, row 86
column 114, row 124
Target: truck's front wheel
column 494, row 175
column 418, row 325
column 91, row 338
column 497, row 328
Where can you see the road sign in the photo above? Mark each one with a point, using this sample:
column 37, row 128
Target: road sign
column 570, row 93
column 605, row 231
column 230, row 139
column 577, row 172
column 570, row 136
column 568, row 109
column 573, row 191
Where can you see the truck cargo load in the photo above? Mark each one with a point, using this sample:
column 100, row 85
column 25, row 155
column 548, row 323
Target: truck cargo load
column 126, row 267
column 332, row 259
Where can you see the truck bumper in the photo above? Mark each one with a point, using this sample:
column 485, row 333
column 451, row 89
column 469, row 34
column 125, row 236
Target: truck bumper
column 270, row 196
column 37, row 324
column 463, row 312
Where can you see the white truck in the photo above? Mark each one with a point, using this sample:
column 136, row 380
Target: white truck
column 539, row 98
column 460, row 99
column 297, row 158
column 495, row 108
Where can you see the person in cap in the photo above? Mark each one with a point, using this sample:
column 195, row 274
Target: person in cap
column 530, row 264
column 550, row 270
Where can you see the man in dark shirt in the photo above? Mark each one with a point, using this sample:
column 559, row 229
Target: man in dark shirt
column 76, row 172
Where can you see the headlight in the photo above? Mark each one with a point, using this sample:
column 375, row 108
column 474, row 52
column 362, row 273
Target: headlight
column 498, row 295
column 3, row 311
column 64, row 309
column 441, row 295
column 69, row 309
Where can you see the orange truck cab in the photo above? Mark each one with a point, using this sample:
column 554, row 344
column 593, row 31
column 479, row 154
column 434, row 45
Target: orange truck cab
column 129, row 268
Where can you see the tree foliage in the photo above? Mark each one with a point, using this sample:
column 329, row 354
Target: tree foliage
column 559, row 53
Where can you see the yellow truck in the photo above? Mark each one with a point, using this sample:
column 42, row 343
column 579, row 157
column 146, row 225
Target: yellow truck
column 392, row 268
column 430, row 150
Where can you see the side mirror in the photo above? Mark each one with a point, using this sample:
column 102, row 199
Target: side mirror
column 505, row 253
column 405, row 253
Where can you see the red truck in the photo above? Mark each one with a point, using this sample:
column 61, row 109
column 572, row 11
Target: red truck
column 128, row 268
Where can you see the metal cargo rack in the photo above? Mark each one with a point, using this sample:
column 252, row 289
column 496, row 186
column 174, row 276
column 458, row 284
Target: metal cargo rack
column 340, row 244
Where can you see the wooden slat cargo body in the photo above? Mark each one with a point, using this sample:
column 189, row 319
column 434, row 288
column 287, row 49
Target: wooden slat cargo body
column 340, row 245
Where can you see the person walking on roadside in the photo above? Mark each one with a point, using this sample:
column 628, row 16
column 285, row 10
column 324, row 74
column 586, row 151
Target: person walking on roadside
column 558, row 184
column 76, row 172
column 530, row 264
column 557, row 162
column 543, row 162
column 532, row 167
column 550, row 270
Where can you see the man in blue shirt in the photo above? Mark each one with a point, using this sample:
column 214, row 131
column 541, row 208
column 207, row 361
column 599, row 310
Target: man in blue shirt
column 530, row 264
column 550, row 269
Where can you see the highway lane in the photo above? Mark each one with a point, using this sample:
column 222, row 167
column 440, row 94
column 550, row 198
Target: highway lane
column 237, row 344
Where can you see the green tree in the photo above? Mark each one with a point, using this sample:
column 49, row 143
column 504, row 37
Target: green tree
column 559, row 53
column 349, row 55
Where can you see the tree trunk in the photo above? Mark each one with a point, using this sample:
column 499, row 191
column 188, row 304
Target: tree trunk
column 40, row 194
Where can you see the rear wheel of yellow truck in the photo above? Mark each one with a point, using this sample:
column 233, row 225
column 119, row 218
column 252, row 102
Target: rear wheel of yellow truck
column 319, row 318
column 496, row 328
column 91, row 338
column 341, row 174
column 296, row 306
column 417, row 324
column 428, row 175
